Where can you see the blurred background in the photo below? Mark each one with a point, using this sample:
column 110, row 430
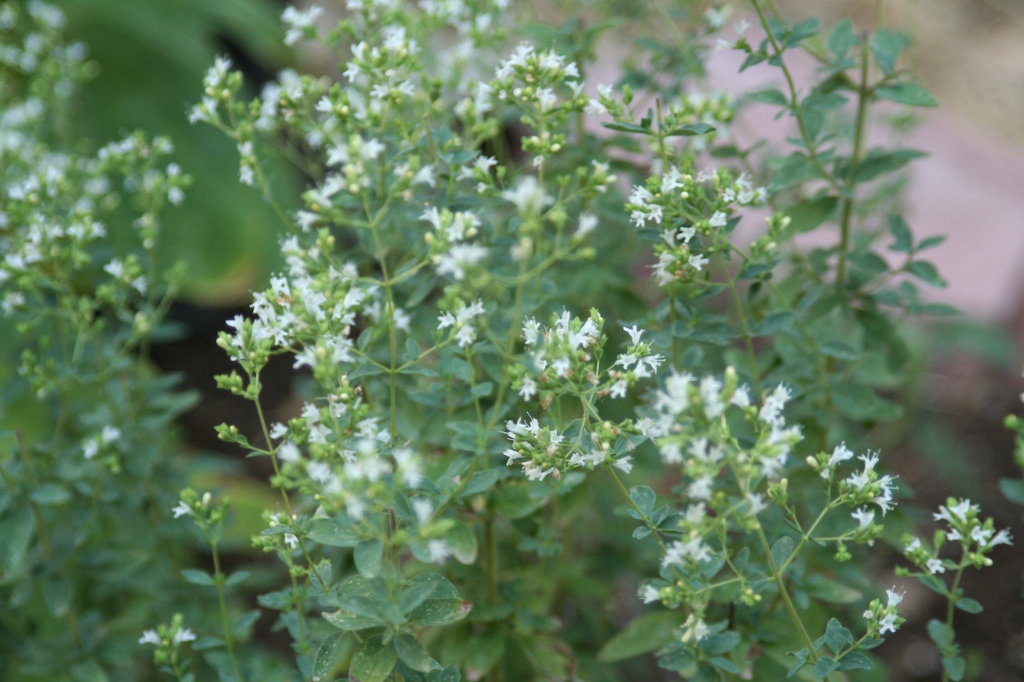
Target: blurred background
column 151, row 57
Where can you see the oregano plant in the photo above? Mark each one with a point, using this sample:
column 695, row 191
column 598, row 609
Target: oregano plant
column 570, row 387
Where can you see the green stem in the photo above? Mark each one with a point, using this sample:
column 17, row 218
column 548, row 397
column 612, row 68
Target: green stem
column 218, row 581
column 847, row 195
column 780, row 581
column 744, row 328
column 643, row 517
column 794, row 101
column 951, row 609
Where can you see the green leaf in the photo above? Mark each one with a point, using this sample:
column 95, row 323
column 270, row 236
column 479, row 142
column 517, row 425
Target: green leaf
column 910, row 94
column 805, row 29
column 355, row 613
column 824, row 666
column 969, row 605
column 926, row 272
column 721, row 643
column 641, row 635
column 840, row 38
column 879, row 162
column 811, row 213
column 514, row 501
column 900, row 231
column 955, row 666
column 462, row 541
column 725, row 664
column 482, row 481
column 691, row 130
column 336, row 532
column 197, row 577
column 57, row 592
column 802, row 657
column 886, row 46
column 930, row 242
column 831, row 591
column 368, row 556
column 860, row 403
column 413, row 595
column 940, row 633
column 236, row 578
column 796, row 168
column 441, row 605
column 769, row 96
column 243, row 624
column 854, row 660
column 773, row 323
column 326, row 656
column 15, row 536
column 482, row 390
column 372, row 661
column 412, row 653
column 781, row 550
column 627, row 128
column 1012, row 489
column 439, row 612
column 449, row 674
column 49, row 494
column 643, row 497
column 837, row 637
column 820, row 101
column 838, row 350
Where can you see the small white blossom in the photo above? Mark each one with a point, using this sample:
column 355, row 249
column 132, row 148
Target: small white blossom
column 182, row 509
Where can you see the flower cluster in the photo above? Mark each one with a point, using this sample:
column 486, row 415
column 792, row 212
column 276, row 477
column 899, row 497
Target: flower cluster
column 530, row 80
column 562, row 358
column 543, row 450
column 168, row 640
column 692, row 216
column 884, row 618
column 976, row 538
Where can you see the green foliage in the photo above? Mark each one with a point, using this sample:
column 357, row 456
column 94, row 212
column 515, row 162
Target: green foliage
column 492, row 336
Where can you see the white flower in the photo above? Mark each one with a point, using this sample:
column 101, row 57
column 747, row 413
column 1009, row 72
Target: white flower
column 771, row 410
column 863, row 517
column 528, row 196
column 841, row 453
column 756, row 503
column 649, row 593
column 423, row 509
column 150, row 637
column 618, row 389
column 298, row 22
column 588, row 221
column 935, row 566
column 529, row 388
column 1003, row 537
column 634, row 333
column 184, row 635
column 887, row 623
column 182, row 509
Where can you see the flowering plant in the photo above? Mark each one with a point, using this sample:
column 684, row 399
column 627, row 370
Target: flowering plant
column 451, row 489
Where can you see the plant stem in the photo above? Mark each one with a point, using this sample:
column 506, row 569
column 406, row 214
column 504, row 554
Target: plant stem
column 850, row 183
column 780, row 581
column 218, row 581
column 794, row 101
column 950, row 610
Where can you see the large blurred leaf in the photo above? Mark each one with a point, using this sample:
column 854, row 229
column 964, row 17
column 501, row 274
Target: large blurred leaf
column 152, row 57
